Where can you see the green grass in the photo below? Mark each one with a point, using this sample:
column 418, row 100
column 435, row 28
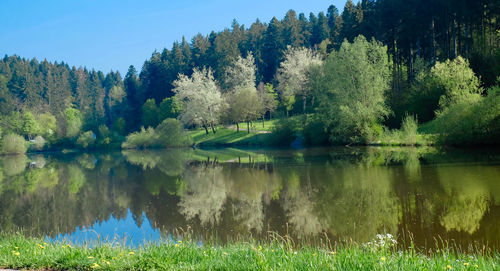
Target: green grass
column 257, row 125
column 26, row 253
column 228, row 137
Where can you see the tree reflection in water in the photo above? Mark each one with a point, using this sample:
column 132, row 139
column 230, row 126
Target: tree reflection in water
column 346, row 193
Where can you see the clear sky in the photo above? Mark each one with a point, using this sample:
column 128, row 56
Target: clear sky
column 113, row 34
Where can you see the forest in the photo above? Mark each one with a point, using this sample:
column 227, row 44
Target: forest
column 379, row 72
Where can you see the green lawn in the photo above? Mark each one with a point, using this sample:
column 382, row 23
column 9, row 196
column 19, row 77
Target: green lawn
column 25, row 253
column 226, row 137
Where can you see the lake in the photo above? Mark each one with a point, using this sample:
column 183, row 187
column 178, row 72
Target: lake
column 312, row 196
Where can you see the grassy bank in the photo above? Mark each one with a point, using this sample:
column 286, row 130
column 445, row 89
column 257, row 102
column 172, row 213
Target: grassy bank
column 228, row 137
column 23, row 253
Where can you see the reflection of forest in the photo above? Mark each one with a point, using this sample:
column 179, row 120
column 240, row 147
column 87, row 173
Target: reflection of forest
column 348, row 193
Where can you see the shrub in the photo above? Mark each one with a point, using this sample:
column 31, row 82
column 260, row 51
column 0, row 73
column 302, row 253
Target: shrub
column 142, row 139
column 13, row 144
column 472, row 123
column 38, row 143
column 284, row 131
column 315, row 132
column 86, row 139
column 409, row 132
column 171, row 134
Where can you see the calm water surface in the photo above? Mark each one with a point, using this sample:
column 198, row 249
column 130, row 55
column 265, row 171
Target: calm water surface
column 224, row 195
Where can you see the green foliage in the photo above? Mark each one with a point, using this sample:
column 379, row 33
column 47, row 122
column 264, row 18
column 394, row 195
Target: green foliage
column 352, row 102
column 29, row 124
column 470, row 123
column 119, row 126
column 457, row 80
column 73, row 122
column 38, row 143
column 150, row 113
column 171, row 134
column 285, row 131
column 47, row 125
column 13, row 144
column 409, row 129
column 170, row 108
column 145, row 138
column 86, row 140
column 314, row 132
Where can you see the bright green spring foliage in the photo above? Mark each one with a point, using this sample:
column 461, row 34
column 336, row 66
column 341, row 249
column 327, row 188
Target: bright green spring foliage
column 352, row 102
column 169, row 133
column 73, row 122
column 13, row 144
column 472, row 123
column 457, row 81
column 25, row 253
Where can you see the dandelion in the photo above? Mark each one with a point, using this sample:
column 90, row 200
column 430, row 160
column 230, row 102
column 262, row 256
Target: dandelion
column 114, row 258
column 382, row 259
column 131, row 253
column 95, row 265
column 466, row 264
column 272, row 250
column 333, row 252
column 448, row 267
column 260, row 248
column 90, row 257
column 224, row 253
column 476, row 266
column 180, row 241
column 40, row 246
column 16, row 253
column 176, row 245
column 16, row 248
column 107, row 262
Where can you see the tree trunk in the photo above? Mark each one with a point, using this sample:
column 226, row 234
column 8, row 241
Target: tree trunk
column 206, row 128
column 213, row 128
column 263, row 118
column 248, row 126
column 237, row 127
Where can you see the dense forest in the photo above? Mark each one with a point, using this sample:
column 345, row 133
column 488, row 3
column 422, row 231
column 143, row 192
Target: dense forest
column 411, row 59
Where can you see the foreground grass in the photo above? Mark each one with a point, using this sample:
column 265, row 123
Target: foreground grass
column 25, row 253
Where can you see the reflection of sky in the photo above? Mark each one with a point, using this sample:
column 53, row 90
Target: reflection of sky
column 118, row 231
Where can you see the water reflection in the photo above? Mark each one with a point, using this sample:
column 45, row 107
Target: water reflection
column 228, row 194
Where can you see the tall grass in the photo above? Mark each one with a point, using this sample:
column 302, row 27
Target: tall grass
column 19, row 252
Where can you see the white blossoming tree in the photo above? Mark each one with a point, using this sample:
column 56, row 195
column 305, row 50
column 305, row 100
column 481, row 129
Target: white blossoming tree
column 201, row 98
column 293, row 75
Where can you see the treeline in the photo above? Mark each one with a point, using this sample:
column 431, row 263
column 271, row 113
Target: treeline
column 285, row 67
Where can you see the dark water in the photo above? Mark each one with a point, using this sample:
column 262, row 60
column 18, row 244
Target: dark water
column 225, row 195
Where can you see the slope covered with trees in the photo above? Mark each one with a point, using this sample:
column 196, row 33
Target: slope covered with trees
column 396, row 58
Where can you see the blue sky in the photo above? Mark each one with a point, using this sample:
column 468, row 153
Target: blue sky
column 113, row 34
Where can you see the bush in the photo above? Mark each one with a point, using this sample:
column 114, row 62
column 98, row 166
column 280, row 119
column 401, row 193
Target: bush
column 38, row 143
column 142, row 139
column 285, row 131
column 472, row 123
column 409, row 132
column 13, row 144
column 171, row 134
column 315, row 133
column 86, row 139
